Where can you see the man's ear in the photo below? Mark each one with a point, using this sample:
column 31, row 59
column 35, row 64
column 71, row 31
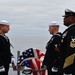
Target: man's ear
column 71, row 18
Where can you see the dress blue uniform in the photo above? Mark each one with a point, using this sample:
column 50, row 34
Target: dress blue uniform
column 67, row 48
column 5, row 53
column 51, row 59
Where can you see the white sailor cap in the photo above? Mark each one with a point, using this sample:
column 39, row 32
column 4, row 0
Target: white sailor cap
column 4, row 22
column 54, row 23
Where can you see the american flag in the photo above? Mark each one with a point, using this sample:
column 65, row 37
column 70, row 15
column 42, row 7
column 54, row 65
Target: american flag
column 32, row 58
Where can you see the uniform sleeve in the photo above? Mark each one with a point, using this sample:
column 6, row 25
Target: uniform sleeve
column 69, row 50
column 0, row 43
column 0, row 54
column 71, row 41
column 56, row 43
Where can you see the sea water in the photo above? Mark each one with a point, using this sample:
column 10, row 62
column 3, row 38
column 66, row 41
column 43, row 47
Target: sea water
column 21, row 43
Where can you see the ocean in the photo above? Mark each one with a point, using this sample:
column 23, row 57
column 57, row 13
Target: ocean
column 21, row 43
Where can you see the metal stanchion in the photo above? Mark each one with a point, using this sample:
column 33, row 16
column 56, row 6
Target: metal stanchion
column 18, row 54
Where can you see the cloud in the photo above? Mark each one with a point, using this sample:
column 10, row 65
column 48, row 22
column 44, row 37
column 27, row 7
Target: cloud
column 34, row 13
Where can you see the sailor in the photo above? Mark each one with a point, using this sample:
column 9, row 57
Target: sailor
column 51, row 60
column 67, row 48
column 5, row 53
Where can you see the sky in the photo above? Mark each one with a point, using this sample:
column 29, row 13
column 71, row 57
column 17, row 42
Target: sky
column 32, row 17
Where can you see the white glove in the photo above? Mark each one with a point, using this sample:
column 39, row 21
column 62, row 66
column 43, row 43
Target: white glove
column 67, row 74
column 54, row 69
column 12, row 61
column 2, row 68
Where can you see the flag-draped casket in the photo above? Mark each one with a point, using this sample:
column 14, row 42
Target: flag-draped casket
column 32, row 58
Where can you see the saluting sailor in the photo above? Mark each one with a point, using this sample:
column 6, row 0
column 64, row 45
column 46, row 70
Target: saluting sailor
column 67, row 49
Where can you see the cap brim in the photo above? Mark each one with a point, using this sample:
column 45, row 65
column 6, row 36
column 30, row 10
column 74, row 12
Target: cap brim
column 65, row 16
